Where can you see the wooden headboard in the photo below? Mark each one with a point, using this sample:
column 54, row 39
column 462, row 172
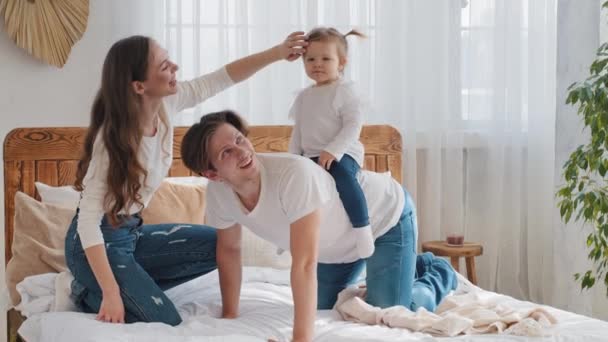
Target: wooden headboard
column 50, row 155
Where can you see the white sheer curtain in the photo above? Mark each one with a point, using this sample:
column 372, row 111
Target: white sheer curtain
column 470, row 85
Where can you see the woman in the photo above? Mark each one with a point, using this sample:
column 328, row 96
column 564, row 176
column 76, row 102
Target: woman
column 121, row 265
column 292, row 202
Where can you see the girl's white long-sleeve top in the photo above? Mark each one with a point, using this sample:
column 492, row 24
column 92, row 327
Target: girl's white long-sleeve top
column 155, row 155
column 328, row 118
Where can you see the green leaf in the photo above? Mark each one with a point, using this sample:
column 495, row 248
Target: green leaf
column 564, row 192
column 588, row 213
column 580, row 213
column 580, row 197
column 572, row 98
column 571, row 173
column 588, row 280
column 598, row 65
column 562, row 209
column 568, row 215
column 598, row 253
column 604, row 231
column 591, row 198
column 588, row 93
column 582, row 163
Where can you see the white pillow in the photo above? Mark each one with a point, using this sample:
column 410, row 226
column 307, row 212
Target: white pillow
column 61, row 196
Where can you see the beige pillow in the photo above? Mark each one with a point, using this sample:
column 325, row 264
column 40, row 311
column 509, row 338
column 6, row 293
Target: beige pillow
column 38, row 241
column 176, row 203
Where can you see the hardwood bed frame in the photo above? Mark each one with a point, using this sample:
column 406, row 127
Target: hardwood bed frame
column 50, row 155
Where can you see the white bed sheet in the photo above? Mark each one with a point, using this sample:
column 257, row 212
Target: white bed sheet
column 266, row 311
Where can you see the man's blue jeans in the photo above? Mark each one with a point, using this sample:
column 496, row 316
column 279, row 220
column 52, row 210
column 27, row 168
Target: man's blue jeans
column 395, row 274
column 145, row 260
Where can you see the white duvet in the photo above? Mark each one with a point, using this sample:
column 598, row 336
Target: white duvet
column 266, row 312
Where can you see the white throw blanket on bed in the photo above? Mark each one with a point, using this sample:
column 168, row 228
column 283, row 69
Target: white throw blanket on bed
column 266, row 311
column 469, row 311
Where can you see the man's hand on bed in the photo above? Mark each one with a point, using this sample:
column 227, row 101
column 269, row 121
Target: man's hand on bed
column 112, row 309
column 228, row 256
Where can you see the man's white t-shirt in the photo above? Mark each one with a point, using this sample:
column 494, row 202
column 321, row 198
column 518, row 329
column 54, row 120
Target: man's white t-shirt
column 291, row 188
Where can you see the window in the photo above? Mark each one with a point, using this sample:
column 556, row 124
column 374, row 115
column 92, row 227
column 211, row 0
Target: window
column 489, row 75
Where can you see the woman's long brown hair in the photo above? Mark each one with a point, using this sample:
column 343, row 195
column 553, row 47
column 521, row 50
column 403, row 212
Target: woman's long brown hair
column 115, row 117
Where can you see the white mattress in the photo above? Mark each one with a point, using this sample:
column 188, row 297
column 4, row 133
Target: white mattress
column 266, row 311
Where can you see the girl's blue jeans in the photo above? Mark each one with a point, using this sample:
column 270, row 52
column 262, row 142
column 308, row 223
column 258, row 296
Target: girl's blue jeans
column 344, row 172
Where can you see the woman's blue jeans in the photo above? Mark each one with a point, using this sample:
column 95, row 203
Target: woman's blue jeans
column 145, row 260
column 396, row 275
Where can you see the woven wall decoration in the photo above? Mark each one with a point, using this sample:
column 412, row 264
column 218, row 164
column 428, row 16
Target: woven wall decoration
column 46, row 29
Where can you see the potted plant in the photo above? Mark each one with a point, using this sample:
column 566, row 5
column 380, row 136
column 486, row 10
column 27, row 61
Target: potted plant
column 585, row 193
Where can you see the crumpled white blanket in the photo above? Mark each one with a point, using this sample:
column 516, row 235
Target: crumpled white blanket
column 468, row 311
column 50, row 292
column 45, row 293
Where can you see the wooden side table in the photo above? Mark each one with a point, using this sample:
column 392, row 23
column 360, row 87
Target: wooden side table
column 469, row 250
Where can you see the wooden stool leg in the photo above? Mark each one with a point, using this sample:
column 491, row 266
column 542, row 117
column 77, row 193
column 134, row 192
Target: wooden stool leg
column 454, row 260
column 471, row 270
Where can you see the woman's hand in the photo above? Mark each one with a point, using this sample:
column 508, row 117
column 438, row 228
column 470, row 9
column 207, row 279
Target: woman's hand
column 325, row 159
column 112, row 309
column 293, row 46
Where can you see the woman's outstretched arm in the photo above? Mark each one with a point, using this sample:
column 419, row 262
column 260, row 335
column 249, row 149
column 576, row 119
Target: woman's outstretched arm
column 290, row 49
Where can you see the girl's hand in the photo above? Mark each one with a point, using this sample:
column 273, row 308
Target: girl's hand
column 293, row 46
column 325, row 160
column 364, row 293
column 112, row 309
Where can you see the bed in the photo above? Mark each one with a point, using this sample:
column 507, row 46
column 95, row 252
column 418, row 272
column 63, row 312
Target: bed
column 50, row 155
